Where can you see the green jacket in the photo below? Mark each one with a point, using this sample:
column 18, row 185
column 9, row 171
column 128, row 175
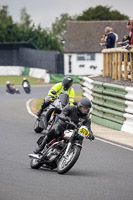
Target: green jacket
column 58, row 88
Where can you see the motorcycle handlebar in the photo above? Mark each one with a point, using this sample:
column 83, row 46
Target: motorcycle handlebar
column 68, row 122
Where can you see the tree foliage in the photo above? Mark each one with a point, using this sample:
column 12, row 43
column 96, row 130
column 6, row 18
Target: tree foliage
column 5, row 18
column 59, row 26
column 97, row 13
column 25, row 31
column 25, row 19
column 101, row 13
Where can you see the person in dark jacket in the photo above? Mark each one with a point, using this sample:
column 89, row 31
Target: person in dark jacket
column 76, row 113
column 130, row 28
column 126, row 41
column 110, row 40
column 10, row 87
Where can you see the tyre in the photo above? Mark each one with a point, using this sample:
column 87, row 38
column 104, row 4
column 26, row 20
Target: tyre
column 34, row 164
column 65, row 164
column 37, row 129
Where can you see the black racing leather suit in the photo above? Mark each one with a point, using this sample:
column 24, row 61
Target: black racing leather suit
column 60, row 126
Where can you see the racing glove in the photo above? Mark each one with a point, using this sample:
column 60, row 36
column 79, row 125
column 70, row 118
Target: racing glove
column 68, row 119
column 91, row 137
column 39, row 113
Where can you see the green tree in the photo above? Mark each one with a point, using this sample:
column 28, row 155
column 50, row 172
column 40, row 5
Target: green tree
column 5, row 18
column 25, row 19
column 101, row 13
column 43, row 40
column 5, row 22
column 25, row 31
column 59, row 26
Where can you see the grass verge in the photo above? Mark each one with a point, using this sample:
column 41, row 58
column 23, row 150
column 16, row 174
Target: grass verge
column 17, row 80
column 37, row 102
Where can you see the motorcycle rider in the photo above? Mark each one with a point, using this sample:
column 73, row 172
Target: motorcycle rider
column 76, row 114
column 9, row 87
column 25, row 81
column 62, row 87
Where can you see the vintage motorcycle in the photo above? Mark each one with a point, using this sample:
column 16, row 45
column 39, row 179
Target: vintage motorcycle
column 62, row 153
column 47, row 118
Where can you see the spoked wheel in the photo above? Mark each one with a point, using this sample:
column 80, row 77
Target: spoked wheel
column 35, row 164
column 66, row 163
column 37, row 128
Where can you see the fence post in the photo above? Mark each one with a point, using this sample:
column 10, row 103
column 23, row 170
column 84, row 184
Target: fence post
column 113, row 67
column 131, row 65
column 125, row 66
column 116, row 66
column 104, row 64
column 113, row 61
column 119, row 66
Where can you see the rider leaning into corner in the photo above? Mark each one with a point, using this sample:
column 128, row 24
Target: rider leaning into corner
column 62, row 87
column 9, row 87
column 76, row 114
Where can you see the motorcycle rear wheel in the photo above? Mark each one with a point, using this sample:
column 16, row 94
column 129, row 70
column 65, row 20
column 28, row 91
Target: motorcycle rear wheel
column 65, row 164
column 34, row 164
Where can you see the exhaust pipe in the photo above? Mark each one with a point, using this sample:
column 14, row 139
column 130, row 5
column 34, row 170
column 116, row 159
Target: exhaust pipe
column 34, row 156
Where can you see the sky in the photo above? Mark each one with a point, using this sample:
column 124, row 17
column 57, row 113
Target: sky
column 44, row 12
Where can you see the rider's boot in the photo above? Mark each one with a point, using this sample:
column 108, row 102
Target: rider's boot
column 42, row 145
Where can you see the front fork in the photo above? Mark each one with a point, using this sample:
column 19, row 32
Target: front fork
column 73, row 140
column 52, row 115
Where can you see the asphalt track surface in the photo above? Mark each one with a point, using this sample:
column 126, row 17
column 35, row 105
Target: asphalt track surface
column 103, row 171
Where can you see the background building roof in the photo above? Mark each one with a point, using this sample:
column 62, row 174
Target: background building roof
column 85, row 36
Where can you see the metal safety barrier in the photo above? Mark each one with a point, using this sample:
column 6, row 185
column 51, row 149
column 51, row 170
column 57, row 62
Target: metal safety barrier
column 112, row 105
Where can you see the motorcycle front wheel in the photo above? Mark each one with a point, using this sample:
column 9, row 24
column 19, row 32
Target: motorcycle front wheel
column 34, row 164
column 66, row 163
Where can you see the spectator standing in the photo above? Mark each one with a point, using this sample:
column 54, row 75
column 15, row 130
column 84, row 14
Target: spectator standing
column 130, row 25
column 127, row 41
column 110, row 38
column 116, row 36
column 110, row 41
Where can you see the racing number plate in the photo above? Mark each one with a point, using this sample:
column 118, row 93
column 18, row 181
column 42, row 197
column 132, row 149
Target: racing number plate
column 83, row 132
